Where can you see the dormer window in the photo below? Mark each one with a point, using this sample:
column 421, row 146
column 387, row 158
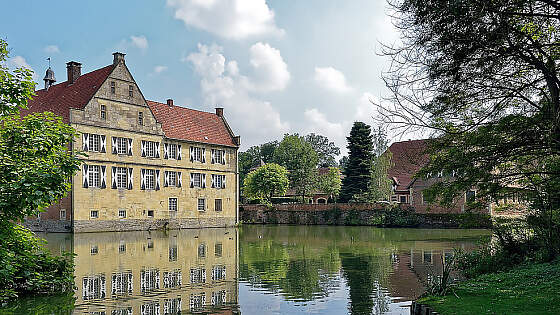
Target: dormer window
column 130, row 90
column 113, row 87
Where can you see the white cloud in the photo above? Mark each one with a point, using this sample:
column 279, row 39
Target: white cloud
column 223, row 85
column 269, row 69
column 20, row 62
column 331, row 79
column 160, row 69
column 140, row 42
column 52, row 49
column 233, row 19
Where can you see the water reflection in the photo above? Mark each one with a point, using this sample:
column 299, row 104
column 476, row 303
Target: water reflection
column 270, row 270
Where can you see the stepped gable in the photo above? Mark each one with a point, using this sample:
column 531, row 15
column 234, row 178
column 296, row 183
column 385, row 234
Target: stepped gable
column 408, row 158
column 192, row 125
column 59, row 98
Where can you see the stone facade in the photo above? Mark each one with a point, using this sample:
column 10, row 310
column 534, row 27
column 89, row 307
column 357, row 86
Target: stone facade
column 102, row 202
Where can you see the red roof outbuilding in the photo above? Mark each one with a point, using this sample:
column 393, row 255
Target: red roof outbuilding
column 408, row 158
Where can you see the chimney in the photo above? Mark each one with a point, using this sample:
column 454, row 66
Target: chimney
column 74, row 70
column 169, row 102
column 220, row 111
column 117, row 58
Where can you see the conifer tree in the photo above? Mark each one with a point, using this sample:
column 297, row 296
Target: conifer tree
column 358, row 168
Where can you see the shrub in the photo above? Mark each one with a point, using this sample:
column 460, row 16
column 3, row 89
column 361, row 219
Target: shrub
column 27, row 267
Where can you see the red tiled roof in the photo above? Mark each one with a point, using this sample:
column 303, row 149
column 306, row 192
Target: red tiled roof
column 408, row 158
column 191, row 125
column 60, row 97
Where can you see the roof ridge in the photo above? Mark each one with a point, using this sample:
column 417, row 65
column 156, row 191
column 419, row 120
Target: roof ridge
column 82, row 75
column 179, row 106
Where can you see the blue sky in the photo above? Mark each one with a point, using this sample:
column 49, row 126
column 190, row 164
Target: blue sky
column 276, row 66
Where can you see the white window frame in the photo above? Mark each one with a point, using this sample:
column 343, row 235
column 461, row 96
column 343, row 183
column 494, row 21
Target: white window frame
column 122, row 145
column 94, row 176
column 94, row 143
column 103, row 111
column 172, row 151
column 172, row 178
column 201, row 205
column 173, row 204
column 150, row 179
column 197, row 177
column 151, row 149
column 94, row 214
column 62, row 214
column 197, row 154
column 122, row 177
column 122, row 213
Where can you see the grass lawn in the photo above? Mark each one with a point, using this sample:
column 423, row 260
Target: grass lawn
column 529, row 289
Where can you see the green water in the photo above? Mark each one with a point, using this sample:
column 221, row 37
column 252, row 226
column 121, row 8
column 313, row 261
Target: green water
column 250, row 270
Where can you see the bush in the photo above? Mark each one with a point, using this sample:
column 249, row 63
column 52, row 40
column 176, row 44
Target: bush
column 27, row 267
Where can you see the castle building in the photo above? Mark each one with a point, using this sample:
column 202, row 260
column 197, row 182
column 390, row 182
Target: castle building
column 148, row 165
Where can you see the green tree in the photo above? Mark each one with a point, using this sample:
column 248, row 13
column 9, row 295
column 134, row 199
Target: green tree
column 266, row 182
column 358, row 170
column 380, row 183
column 483, row 75
column 298, row 156
column 326, row 150
column 254, row 156
column 330, row 183
column 35, row 168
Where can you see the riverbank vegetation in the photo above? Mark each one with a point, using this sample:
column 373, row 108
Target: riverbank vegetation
column 34, row 173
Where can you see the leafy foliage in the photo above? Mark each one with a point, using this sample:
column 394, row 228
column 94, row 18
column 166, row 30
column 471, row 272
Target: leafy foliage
column 330, row 183
column 326, row 150
column 266, row 181
column 299, row 158
column 357, row 172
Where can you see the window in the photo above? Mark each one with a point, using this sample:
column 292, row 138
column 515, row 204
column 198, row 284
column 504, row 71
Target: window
column 130, row 90
column 122, row 213
column 94, row 173
column 470, row 196
column 402, row 199
column 218, row 156
column 121, row 177
column 94, row 142
column 219, row 273
column 151, row 149
column 94, row 250
column 172, row 151
column 94, row 214
column 113, row 87
column 172, row 252
column 149, row 280
column 150, row 178
column 197, row 302
column 219, row 298
column 172, row 279
column 103, row 112
column 202, row 251
column 394, row 198
column 62, row 214
column 93, row 287
column 197, row 179
column 150, row 308
column 172, row 306
column 197, row 154
column 198, row 275
column 121, row 145
column 151, row 215
column 218, row 250
column 122, row 247
column 218, row 181
column 218, row 205
column 141, row 118
column 173, row 204
column 201, row 204
column 172, row 179
column 121, row 283
column 427, row 257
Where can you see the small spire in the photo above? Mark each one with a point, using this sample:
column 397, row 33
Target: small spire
column 49, row 76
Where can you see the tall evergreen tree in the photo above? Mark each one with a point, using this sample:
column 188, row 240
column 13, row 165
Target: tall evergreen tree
column 358, row 168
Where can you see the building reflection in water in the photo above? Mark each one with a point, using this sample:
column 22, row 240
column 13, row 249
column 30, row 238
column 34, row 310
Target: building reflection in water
column 157, row 272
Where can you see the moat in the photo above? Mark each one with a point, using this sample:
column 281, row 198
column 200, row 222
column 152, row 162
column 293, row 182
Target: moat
column 254, row 269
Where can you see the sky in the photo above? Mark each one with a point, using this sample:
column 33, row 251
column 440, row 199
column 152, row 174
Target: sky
column 275, row 66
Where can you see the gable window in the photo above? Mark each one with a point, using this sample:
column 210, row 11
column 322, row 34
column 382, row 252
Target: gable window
column 201, row 204
column 218, row 181
column 103, row 112
column 150, row 149
column 130, row 90
column 113, row 87
column 198, row 180
column 218, row 156
column 141, row 118
column 218, row 205
column 402, row 199
column 198, row 154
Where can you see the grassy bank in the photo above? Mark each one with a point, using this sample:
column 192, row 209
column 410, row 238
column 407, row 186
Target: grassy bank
column 528, row 289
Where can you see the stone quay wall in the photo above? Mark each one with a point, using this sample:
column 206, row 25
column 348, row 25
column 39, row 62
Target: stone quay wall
column 358, row 214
